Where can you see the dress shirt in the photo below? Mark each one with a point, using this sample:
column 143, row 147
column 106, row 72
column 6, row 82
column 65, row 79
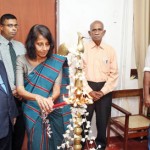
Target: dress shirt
column 5, row 57
column 100, row 65
column 147, row 60
column 2, row 84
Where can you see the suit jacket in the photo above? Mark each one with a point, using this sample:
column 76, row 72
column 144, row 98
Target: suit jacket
column 8, row 109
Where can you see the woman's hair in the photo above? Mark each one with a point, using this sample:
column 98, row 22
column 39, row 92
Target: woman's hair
column 34, row 32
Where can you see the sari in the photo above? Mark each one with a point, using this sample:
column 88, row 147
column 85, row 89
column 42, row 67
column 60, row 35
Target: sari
column 40, row 81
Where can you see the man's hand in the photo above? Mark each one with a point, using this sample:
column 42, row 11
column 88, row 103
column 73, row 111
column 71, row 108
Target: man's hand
column 14, row 121
column 96, row 95
column 101, row 93
column 15, row 94
column 147, row 102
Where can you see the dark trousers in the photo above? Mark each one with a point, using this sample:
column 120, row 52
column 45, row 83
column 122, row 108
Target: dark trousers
column 102, row 109
column 19, row 129
column 6, row 142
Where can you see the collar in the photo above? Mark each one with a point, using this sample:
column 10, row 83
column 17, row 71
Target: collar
column 3, row 40
column 93, row 45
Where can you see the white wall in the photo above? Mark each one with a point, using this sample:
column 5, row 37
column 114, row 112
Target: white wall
column 117, row 15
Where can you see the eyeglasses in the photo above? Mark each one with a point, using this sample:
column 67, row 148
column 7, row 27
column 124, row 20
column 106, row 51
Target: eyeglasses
column 11, row 25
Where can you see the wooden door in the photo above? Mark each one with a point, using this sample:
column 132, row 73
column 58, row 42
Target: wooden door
column 29, row 13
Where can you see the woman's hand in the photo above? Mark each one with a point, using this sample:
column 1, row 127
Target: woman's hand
column 45, row 104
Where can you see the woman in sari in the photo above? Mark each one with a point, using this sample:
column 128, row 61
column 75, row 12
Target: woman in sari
column 41, row 79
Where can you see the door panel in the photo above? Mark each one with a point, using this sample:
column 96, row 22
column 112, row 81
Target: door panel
column 29, row 13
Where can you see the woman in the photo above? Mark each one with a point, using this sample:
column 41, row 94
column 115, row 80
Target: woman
column 41, row 79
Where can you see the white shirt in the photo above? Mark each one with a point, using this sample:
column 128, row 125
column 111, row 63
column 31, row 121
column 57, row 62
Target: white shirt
column 5, row 57
column 2, row 84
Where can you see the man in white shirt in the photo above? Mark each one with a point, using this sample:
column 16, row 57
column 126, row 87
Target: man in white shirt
column 9, row 28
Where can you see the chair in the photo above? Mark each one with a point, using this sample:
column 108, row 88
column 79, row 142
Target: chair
column 128, row 126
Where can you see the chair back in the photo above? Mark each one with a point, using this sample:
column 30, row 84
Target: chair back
column 131, row 93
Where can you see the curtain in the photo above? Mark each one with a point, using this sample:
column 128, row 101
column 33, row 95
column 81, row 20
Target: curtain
column 141, row 34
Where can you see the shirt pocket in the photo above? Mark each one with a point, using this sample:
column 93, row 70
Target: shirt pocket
column 105, row 65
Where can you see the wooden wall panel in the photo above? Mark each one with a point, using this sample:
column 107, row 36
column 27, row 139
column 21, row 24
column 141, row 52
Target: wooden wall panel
column 30, row 12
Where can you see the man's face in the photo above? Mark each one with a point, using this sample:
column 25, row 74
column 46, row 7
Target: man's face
column 97, row 32
column 9, row 28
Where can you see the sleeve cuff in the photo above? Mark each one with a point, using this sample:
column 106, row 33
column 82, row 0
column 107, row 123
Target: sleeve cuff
column 146, row 68
column 104, row 90
column 88, row 89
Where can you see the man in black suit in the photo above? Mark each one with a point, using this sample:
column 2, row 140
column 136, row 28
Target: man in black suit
column 8, row 110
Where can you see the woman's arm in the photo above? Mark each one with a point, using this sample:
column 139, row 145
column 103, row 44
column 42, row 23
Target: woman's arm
column 25, row 94
column 56, row 92
column 21, row 71
column 44, row 103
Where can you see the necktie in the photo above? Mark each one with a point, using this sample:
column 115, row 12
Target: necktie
column 13, row 57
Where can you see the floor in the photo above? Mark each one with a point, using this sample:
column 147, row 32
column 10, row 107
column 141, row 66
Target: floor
column 116, row 144
column 133, row 144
